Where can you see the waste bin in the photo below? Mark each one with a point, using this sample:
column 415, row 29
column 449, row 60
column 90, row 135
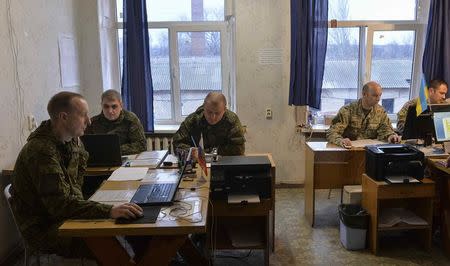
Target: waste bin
column 353, row 221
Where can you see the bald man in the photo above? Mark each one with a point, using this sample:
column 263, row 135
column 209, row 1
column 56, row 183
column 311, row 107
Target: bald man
column 362, row 119
column 219, row 127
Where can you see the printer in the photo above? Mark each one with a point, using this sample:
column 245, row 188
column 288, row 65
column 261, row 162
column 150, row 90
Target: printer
column 241, row 175
column 393, row 160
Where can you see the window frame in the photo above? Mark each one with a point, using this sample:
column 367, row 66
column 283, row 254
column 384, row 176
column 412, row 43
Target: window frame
column 226, row 28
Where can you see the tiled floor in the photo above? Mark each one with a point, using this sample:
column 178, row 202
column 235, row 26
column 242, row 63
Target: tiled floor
column 299, row 244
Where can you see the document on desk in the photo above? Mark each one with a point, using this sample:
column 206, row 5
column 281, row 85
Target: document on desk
column 361, row 143
column 243, row 198
column 113, row 195
column 152, row 155
column 128, row 173
column 150, row 163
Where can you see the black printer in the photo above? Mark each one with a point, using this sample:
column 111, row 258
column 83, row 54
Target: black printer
column 243, row 175
column 387, row 160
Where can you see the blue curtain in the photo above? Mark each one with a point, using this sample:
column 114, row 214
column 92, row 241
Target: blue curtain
column 309, row 32
column 436, row 56
column 137, row 88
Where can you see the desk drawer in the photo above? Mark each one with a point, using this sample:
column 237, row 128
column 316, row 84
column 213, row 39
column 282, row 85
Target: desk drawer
column 397, row 191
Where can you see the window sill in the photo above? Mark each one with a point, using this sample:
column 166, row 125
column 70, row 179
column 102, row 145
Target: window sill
column 166, row 129
column 321, row 128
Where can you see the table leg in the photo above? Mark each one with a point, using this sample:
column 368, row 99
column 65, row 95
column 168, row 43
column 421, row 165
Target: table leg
column 108, row 251
column 309, row 188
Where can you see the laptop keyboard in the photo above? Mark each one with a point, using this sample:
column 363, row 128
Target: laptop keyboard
column 155, row 193
column 159, row 192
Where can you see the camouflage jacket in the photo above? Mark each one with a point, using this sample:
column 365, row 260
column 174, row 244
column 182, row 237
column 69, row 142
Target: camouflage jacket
column 227, row 135
column 401, row 115
column 351, row 122
column 127, row 126
column 46, row 189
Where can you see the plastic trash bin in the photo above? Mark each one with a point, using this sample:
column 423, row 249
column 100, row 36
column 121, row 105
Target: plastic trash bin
column 353, row 220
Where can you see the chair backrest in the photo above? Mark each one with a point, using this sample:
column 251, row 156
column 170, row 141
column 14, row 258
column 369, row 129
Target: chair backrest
column 8, row 199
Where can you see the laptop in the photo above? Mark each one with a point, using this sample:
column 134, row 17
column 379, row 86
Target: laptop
column 160, row 194
column 103, row 149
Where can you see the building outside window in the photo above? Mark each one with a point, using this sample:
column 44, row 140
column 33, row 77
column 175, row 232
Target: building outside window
column 368, row 41
column 190, row 53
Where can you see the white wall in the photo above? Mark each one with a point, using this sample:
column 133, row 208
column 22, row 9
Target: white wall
column 266, row 24
column 36, row 25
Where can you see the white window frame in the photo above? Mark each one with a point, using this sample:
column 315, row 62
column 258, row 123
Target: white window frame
column 227, row 33
column 368, row 28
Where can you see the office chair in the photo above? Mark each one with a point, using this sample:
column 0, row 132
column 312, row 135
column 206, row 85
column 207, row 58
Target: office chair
column 28, row 253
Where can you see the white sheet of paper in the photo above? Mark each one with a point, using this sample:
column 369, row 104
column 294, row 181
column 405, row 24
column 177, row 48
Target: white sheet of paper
column 128, row 173
column 243, row 198
column 151, row 163
column 361, row 143
column 113, row 195
column 161, row 177
column 151, row 155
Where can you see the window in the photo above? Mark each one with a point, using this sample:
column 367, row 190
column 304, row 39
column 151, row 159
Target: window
column 367, row 41
column 190, row 54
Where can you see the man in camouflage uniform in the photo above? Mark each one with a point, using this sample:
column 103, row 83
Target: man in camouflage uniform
column 363, row 119
column 47, row 179
column 115, row 120
column 436, row 94
column 219, row 127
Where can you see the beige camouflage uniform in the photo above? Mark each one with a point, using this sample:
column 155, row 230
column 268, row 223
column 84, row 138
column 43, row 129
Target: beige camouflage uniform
column 227, row 135
column 401, row 115
column 351, row 122
column 46, row 191
column 127, row 126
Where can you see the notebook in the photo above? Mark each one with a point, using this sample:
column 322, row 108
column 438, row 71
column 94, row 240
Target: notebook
column 157, row 194
column 103, row 149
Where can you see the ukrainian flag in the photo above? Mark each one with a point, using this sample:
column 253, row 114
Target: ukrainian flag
column 422, row 102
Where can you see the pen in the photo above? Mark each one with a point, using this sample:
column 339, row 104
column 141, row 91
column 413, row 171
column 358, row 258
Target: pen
column 193, row 141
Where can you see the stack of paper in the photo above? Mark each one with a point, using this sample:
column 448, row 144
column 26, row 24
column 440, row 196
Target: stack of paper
column 393, row 216
column 128, row 173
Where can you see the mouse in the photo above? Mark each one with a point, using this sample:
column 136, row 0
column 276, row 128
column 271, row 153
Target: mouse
column 123, row 220
column 167, row 163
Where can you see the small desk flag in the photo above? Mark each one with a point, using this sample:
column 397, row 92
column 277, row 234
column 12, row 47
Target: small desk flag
column 422, row 102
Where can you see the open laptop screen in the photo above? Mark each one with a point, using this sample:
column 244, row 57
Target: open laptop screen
column 442, row 126
column 103, row 149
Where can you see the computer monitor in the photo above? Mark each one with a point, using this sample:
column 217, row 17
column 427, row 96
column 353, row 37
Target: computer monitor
column 418, row 127
column 439, row 107
column 442, row 126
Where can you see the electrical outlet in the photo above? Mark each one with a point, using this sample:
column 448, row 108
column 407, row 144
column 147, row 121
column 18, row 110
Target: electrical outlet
column 268, row 113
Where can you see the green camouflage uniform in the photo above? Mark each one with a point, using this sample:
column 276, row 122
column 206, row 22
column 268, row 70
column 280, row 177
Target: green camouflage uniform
column 127, row 126
column 227, row 135
column 46, row 191
column 401, row 115
column 351, row 122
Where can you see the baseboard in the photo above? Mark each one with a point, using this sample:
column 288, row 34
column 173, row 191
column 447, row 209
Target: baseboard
column 16, row 253
column 288, row 185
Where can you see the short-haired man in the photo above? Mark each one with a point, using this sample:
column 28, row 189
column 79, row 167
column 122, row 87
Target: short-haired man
column 219, row 127
column 362, row 119
column 115, row 120
column 47, row 180
column 436, row 94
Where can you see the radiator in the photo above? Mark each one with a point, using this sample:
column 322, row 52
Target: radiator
column 157, row 143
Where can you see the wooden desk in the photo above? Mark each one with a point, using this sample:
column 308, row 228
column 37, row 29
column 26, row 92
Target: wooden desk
column 417, row 198
column 168, row 235
column 254, row 219
column 441, row 175
column 328, row 167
